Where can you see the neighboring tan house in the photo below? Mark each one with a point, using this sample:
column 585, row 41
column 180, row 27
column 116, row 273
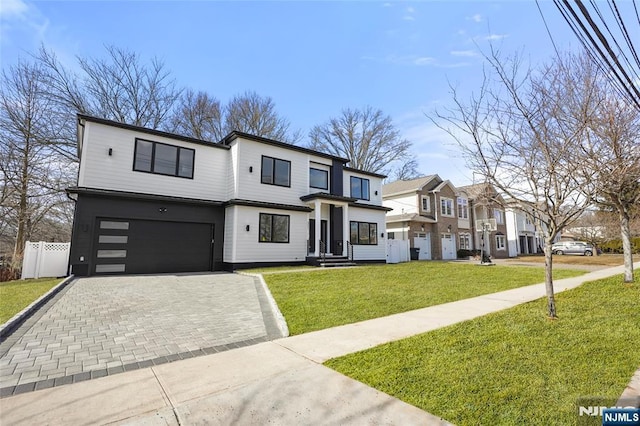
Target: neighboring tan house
column 431, row 214
column 149, row 201
column 486, row 203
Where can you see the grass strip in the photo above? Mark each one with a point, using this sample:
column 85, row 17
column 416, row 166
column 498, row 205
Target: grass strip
column 324, row 298
column 514, row 367
column 17, row 295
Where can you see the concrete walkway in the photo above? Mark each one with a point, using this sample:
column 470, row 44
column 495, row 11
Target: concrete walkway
column 277, row 382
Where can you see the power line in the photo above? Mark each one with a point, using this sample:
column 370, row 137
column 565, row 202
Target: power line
column 621, row 65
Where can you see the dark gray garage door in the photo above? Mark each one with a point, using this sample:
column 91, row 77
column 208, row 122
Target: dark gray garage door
column 147, row 246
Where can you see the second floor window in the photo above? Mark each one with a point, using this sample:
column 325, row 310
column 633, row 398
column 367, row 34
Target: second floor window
column 276, row 171
column 499, row 215
column 360, row 188
column 424, row 201
column 163, row 159
column 463, row 208
column 446, row 206
column 318, row 178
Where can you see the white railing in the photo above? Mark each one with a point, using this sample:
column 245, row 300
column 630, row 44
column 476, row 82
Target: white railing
column 44, row 259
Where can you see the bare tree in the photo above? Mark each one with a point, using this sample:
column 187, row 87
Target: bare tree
column 522, row 136
column 256, row 115
column 407, row 171
column 365, row 136
column 611, row 160
column 34, row 174
column 121, row 87
column 198, row 115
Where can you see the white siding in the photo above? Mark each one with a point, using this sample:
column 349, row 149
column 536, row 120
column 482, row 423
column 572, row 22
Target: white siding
column 372, row 252
column 249, row 186
column 406, row 204
column 115, row 172
column 230, row 231
column 246, row 247
column 375, row 187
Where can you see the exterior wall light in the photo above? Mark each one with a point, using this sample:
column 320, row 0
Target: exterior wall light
column 248, row 228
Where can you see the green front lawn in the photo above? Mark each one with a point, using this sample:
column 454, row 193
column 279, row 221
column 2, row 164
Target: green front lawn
column 514, row 367
column 17, row 295
column 325, row 298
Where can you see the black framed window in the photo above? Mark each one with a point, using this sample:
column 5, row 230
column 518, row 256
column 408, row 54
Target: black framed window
column 163, row 159
column 274, row 228
column 276, row 171
column 318, row 178
column 360, row 188
column 364, row 233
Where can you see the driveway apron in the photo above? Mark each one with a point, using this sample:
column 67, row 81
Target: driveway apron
column 107, row 325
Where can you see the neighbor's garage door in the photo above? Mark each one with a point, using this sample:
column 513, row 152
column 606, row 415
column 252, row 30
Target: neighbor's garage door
column 147, row 247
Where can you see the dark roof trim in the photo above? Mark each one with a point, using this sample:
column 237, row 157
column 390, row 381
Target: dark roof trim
column 325, row 196
column 236, row 134
column 370, row 207
column 350, row 169
column 266, row 205
column 139, row 196
column 150, row 131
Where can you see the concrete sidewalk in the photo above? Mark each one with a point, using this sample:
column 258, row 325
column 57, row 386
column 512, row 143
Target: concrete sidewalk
column 277, row 382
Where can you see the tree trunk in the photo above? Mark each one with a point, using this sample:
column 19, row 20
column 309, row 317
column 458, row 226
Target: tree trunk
column 625, row 233
column 548, row 279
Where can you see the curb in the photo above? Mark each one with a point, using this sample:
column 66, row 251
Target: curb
column 281, row 322
column 10, row 326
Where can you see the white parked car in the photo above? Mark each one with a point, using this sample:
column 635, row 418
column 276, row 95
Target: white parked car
column 573, row 247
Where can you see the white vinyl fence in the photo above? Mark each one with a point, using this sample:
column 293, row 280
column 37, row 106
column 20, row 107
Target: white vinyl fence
column 398, row 251
column 44, row 259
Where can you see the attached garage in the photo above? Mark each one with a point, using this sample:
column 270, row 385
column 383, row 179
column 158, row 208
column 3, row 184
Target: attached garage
column 116, row 233
column 152, row 246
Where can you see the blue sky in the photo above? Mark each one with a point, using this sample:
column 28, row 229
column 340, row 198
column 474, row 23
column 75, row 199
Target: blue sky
column 312, row 58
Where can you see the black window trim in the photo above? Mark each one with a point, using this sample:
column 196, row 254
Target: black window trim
column 153, row 157
column 326, row 173
column 361, row 180
column 272, row 216
column 358, row 243
column 274, row 171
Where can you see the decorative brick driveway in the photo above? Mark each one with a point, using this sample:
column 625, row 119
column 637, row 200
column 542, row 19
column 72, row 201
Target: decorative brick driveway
column 107, row 325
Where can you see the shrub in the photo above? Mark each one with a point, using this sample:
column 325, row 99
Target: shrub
column 615, row 246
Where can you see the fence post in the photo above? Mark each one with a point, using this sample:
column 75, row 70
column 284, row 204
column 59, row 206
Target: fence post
column 39, row 259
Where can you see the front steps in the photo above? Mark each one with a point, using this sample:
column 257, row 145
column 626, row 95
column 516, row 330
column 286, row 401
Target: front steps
column 330, row 261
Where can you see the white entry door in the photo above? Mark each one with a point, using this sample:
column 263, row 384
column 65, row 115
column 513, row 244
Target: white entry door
column 423, row 242
column 448, row 247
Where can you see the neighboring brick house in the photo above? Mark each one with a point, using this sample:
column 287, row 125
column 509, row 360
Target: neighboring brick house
column 431, row 213
column 486, row 203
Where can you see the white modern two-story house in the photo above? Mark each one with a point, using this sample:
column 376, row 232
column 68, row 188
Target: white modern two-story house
column 148, row 201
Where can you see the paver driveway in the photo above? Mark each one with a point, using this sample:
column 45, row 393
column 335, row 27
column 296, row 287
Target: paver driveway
column 107, row 325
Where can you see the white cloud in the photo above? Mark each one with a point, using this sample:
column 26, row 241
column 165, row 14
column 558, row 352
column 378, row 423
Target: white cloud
column 410, row 9
column 408, row 18
column 476, row 18
column 424, row 60
column 464, row 53
column 493, row 37
column 12, row 9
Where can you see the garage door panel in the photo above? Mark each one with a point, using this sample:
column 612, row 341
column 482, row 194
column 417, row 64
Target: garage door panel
column 145, row 246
